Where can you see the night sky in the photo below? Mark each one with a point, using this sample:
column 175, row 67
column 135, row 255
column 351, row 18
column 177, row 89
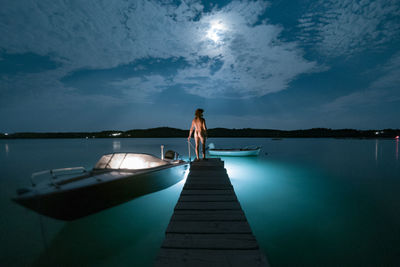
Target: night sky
column 114, row 64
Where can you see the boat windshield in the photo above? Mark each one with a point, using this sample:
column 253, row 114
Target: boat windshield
column 130, row 161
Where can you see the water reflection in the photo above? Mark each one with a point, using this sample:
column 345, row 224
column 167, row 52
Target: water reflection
column 108, row 238
column 397, row 149
column 376, row 150
column 7, row 150
column 116, row 145
column 94, row 231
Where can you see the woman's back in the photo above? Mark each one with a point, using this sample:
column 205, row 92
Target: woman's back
column 199, row 124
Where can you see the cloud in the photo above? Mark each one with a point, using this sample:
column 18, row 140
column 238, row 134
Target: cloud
column 391, row 77
column 94, row 34
column 255, row 62
column 45, row 91
column 381, row 91
column 24, row 63
column 345, row 27
column 140, row 89
column 245, row 57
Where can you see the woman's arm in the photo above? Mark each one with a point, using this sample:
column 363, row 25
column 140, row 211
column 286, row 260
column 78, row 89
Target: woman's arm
column 191, row 130
column 205, row 127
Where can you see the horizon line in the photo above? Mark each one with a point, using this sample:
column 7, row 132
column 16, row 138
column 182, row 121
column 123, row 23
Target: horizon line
column 168, row 127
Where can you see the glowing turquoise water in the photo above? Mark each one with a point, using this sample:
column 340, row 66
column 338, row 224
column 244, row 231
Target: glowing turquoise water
column 316, row 202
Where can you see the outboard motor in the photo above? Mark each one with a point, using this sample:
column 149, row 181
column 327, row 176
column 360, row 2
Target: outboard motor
column 171, row 155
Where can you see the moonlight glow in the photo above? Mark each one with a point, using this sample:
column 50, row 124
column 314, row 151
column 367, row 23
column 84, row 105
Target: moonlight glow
column 216, row 31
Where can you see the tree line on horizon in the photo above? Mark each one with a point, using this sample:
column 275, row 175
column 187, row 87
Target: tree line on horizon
column 163, row 132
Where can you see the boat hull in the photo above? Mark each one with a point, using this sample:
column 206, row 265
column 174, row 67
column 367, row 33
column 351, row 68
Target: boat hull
column 73, row 203
column 234, row 152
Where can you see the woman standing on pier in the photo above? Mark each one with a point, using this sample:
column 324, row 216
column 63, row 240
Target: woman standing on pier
column 200, row 132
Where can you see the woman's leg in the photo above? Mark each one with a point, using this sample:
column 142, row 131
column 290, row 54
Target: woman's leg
column 203, row 142
column 196, row 140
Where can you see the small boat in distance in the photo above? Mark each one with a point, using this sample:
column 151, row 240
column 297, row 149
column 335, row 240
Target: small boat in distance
column 115, row 179
column 233, row 152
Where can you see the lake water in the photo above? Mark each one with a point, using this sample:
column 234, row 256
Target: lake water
column 310, row 202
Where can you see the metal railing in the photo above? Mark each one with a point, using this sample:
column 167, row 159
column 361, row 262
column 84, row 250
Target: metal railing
column 190, row 145
column 54, row 173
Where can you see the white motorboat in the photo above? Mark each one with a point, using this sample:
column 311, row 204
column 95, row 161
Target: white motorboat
column 116, row 178
column 233, row 152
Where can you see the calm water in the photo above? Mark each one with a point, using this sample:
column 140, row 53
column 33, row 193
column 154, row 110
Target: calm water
column 316, row 202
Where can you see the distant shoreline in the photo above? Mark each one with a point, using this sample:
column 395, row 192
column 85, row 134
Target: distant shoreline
column 167, row 132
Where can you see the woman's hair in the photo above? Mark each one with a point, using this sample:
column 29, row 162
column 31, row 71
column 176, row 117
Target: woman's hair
column 199, row 113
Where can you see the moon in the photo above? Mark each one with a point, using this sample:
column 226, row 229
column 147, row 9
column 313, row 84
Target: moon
column 216, row 31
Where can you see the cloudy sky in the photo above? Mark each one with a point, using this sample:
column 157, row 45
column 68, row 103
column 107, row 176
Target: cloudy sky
column 83, row 65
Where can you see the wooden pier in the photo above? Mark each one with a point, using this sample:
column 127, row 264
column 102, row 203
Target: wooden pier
column 208, row 226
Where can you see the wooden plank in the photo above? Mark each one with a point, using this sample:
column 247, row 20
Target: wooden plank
column 207, row 192
column 218, row 172
column 210, row 258
column 209, row 178
column 207, row 186
column 207, row 198
column 206, row 179
column 202, row 178
column 208, row 215
column 213, row 176
column 205, row 168
column 221, row 167
column 209, row 181
column 207, row 161
column 210, row 241
column 209, row 227
column 208, row 206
